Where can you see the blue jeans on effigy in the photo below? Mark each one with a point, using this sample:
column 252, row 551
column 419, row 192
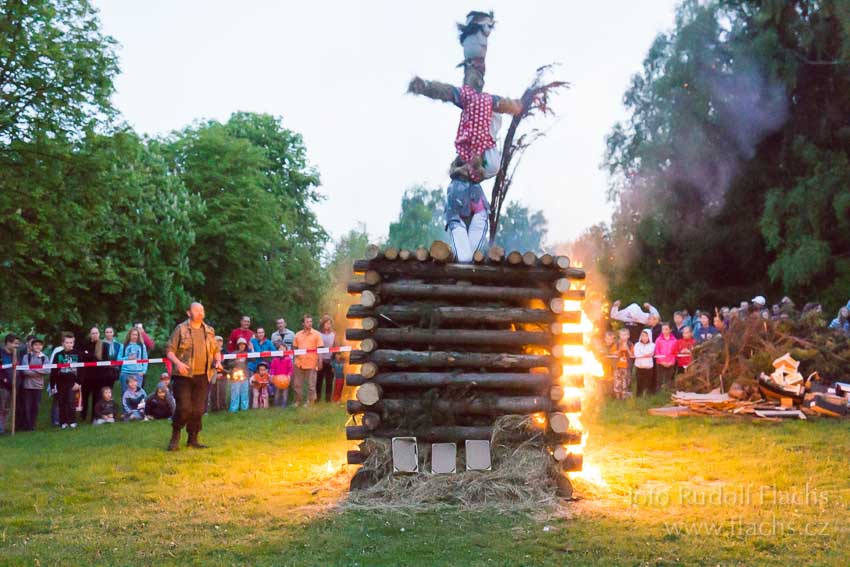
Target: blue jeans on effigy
column 467, row 231
column 239, row 395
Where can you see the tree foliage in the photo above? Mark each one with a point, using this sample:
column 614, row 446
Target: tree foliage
column 102, row 226
column 730, row 174
column 421, row 219
column 258, row 244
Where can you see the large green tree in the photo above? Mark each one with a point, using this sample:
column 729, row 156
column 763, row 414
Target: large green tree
column 258, row 243
column 56, row 69
column 727, row 175
column 421, row 219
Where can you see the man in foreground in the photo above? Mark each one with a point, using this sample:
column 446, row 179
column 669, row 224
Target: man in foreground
column 194, row 352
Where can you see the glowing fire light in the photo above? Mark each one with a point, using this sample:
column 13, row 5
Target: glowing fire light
column 237, row 376
column 588, row 368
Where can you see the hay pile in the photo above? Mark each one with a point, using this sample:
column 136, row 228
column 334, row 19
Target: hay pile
column 749, row 347
column 523, row 477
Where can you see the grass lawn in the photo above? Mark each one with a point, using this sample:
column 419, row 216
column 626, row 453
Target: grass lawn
column 688, row 491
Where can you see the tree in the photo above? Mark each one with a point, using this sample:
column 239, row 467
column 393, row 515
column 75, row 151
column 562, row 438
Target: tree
column 350, row 247
column 421, row 220
column 522, row 230
column 726, row 174
column 56, row 69
column 258, row 244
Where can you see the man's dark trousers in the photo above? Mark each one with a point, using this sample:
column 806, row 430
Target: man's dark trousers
column 191, row 397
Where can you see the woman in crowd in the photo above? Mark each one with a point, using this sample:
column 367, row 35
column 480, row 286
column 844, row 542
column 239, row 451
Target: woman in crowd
column 134, row 349
column 325, row 376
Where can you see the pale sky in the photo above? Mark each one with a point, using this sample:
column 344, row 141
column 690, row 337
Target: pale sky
column 337, row 73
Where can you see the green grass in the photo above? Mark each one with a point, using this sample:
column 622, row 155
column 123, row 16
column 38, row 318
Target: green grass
column 264, row 494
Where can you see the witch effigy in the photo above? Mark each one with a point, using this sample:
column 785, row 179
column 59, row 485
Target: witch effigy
column 478, row 155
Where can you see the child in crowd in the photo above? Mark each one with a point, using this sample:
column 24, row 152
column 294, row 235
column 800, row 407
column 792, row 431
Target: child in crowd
column 622, row 377
column 64, row 381
column 104, row 408
column 160, row 404
column 134, row 349
column 706, row 329
column 665, row 357
column 239, row 385
column 282, row 366
column 644, row 363
column 260, row 383
column 685, row 349
column 32, row 385
column 133, row 400
column 165, row 380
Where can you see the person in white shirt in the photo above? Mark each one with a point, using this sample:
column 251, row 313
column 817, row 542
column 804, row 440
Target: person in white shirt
column 644, row 363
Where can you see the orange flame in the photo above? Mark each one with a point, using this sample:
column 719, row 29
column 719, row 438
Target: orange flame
column 589, row 368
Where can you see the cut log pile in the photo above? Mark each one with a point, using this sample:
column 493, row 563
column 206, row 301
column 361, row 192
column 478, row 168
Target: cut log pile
column 783, row 394
column 447, row 349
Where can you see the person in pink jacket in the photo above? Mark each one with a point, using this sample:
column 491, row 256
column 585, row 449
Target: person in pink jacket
column 665, row 357
column 281, row 365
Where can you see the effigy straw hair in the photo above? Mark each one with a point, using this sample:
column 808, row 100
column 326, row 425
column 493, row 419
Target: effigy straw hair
column 524, row 477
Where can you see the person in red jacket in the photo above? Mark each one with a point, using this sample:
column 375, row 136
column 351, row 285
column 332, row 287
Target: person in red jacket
column 685, row 348
column 242, row 332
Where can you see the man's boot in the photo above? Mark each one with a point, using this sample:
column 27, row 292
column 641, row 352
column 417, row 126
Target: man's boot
column 193, row 442
column 174, row 444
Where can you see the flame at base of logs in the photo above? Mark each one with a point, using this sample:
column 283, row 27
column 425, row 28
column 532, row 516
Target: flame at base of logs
column 447, row 349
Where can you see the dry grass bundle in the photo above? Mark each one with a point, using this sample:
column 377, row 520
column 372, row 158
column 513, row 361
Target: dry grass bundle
column 749, row 347
column 523, row 477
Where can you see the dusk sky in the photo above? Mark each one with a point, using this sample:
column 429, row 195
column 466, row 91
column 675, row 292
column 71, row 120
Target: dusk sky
column 336, row 72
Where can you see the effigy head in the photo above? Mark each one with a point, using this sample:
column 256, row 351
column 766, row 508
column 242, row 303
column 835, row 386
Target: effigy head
column 474, row 33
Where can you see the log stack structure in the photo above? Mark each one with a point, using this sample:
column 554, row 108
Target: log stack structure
column 445, row 349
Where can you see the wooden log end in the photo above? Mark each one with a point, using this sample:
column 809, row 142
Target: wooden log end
column 562, row 285
column 556, row 393
column 515, row 258
column 404, row 254
column 547, row 260
column 440, row 251
column 556, row 305
column 422, row 254
column 372, row 277
column 562, row 262
column 369, row 394
column 369, row 370
column 496, row 254
column 391, row 253
column 368, row 345
column 371, row 421
column 558, row 422
column 529, row 259
column 478, row 257
column 372, row 251
column 368, row 298
column 369, row 323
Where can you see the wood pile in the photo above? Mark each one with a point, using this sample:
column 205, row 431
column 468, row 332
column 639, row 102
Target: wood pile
column 447, row 349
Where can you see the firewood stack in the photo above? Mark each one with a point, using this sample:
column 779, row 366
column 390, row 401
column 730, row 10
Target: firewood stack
column 445, row 349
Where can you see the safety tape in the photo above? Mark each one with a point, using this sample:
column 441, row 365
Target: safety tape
column 230, row 356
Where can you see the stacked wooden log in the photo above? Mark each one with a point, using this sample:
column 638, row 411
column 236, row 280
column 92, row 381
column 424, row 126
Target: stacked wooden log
column 445, row 349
